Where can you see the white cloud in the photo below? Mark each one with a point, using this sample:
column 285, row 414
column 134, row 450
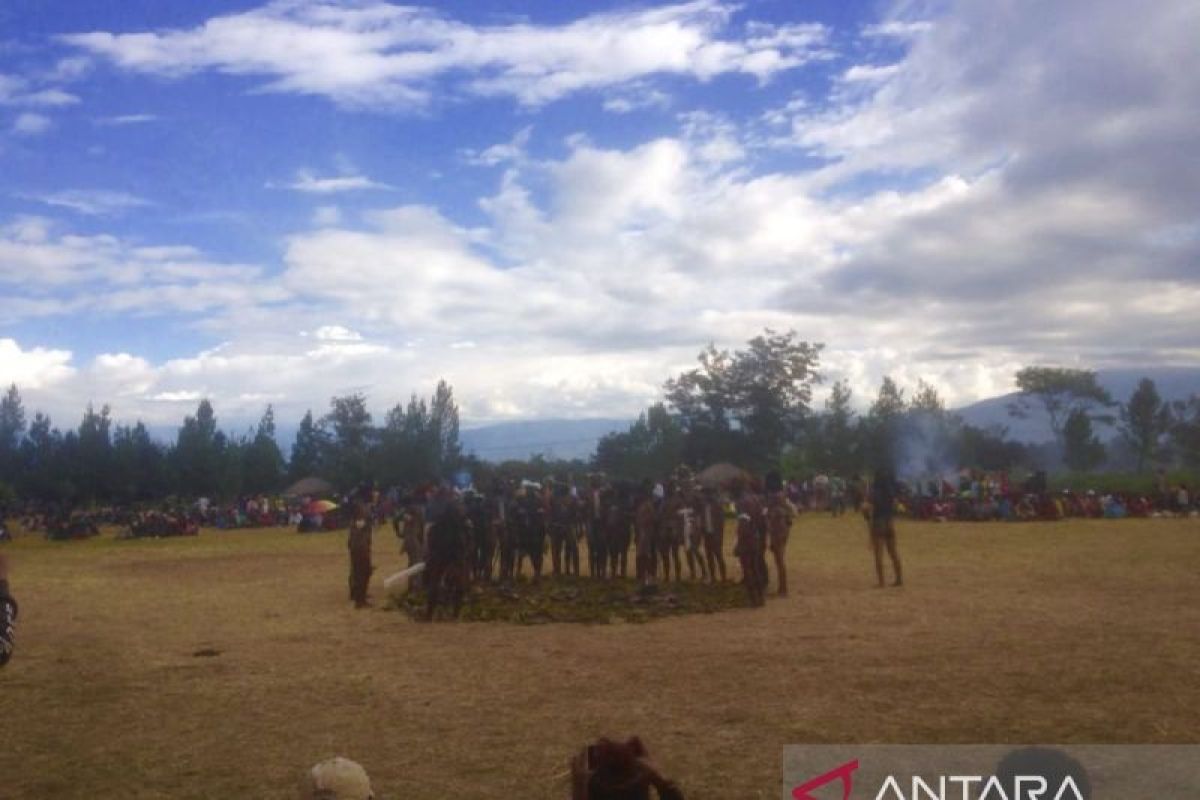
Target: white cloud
column 376, row 53
column 94, row 202
column 31, row 124
column 46, row 271
column 307, row 182
column 34, row 368
column 127, row 119
column 336, row 333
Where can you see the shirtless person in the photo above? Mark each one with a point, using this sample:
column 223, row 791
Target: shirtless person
column 880, row 513
column 780, row 515
column 710, row 516
column 359, row 545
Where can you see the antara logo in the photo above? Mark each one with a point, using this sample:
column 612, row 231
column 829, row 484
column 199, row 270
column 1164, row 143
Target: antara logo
column 945, row 787
column 845, row 772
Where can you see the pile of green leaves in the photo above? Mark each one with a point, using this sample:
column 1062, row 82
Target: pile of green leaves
column 569, row 599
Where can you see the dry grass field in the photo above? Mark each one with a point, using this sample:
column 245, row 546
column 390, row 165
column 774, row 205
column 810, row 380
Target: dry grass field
column 1073, row 632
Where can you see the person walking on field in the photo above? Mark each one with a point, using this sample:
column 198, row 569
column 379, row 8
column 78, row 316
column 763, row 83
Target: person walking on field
column 880, row 512
column 359, row 545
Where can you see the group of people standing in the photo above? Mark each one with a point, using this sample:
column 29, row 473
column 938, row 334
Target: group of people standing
column 645, row 530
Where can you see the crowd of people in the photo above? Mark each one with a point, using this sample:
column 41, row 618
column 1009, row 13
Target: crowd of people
column 978, row 496
column 646, row 531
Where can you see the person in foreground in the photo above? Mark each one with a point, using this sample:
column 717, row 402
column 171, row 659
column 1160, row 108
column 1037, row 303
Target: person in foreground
column 609, row 770
column 8, row 614
column 880, row 512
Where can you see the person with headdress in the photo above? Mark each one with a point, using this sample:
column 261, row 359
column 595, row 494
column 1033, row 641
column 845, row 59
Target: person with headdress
column 359, row 544
column 880, row 512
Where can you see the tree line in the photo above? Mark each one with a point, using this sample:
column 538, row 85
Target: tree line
column 101, row 462
column 753, row 407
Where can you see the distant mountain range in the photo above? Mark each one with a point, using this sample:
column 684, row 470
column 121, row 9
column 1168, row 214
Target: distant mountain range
column 1173, row 383
column 554, row 438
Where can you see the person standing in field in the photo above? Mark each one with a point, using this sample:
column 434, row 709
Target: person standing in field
column 880, row 512
column 711, row 515
column 359, row 545
column 8, row 615
column 749, row 544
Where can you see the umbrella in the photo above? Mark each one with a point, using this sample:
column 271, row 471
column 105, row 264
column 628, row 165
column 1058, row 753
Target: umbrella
column 320, row 507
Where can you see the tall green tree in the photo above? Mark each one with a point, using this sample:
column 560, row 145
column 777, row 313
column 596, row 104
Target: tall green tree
column 12, row 429
column 94, row 463
column 838, row 431
column 748, row 405
column 1145, row 422
column 310, row 450
column 1060, row 392
column 263, row 464
column 351, row 439
column 652, row 447
column 1185, row 431
column 198, row 455
column 1082, row 450
column 443, row 430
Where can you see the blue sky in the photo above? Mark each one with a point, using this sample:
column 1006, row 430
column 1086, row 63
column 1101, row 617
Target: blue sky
column 555, row 206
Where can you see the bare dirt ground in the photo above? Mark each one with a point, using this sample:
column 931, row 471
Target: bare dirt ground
column 1085, row 631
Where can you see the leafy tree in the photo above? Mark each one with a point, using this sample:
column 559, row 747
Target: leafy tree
column 94, row 463
column 352, row 436
column 263, row 469
column 880, row 430
column 139, row 465
column 1060, row 392
column 198, row 454
column 1145, row 420
column 1082, row 451
column 1185, row 430
column 310, row 450
column 443, row 430
column 12, row 427
column 652, row 447
column 988, row 448
column 927, row 400
column 748, row 405
column 837, row 431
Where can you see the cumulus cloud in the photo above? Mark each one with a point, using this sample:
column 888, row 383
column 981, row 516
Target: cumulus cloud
column 46, row 270
column 31, row 124
column 34, row 368
column 377, row 53
column 1016, row 185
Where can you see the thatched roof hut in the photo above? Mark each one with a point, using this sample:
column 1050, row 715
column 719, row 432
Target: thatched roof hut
column 309, row 487
column 721, row 474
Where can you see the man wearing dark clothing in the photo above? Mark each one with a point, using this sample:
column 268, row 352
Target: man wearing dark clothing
column 880, row 514
column 8, row 615
column 359, row 544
